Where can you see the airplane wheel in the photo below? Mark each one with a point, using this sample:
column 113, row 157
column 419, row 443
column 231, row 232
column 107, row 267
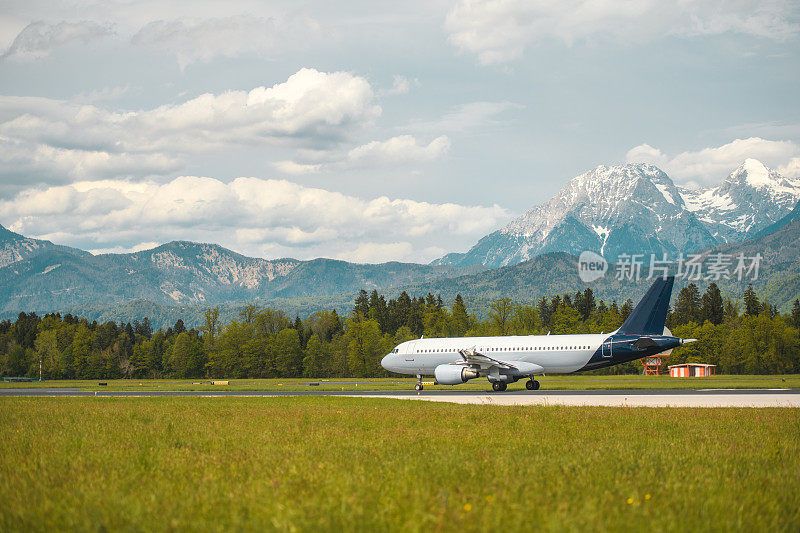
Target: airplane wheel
column 418, row 386
column 499, row 386
column 531, row 385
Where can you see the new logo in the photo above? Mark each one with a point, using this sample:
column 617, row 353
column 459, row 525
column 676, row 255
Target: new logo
column 591, row 266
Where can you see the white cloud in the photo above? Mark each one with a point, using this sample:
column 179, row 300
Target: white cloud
column 400, row 85
column 373, row 252
column 498, row 31
column 308, row 105
column 103, row 95
column 790, row 169
column 644, row 153
column 23, row 162
column 398, row 150
column 467, row 116
column 709, row 165
column 250, row 215
column 119, row 249
column 296, row 169
column 195, row 39
column 39, row 38
column 71, row 140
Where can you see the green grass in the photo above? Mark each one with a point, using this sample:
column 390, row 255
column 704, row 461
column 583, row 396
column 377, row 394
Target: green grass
column 329, row 463
column 555, row 382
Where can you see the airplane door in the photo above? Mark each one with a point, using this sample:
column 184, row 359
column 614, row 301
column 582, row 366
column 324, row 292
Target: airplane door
column 409, row 356
column 606, row 350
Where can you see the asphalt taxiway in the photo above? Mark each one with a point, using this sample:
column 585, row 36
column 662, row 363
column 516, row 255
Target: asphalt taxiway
column 611, row 398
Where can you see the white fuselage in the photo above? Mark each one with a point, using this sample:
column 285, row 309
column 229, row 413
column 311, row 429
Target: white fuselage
column 556, row 354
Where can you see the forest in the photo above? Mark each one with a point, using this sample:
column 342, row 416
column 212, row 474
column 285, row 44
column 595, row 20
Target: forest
column 747, row 336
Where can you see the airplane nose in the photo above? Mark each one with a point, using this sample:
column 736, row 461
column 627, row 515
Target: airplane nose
column 391, row 362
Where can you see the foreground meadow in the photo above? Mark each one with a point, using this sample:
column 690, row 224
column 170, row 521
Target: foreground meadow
column 325, row 463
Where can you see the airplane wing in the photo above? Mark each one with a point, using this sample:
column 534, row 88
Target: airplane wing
column 490, row 365
column 474, row 358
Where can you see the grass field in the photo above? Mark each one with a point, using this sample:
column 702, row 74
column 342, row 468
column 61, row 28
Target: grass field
column 556, row 382
column 323, row 463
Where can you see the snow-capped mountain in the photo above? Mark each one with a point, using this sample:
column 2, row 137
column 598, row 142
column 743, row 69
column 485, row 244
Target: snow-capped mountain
column 634, row 208
column 751, row 198
column 637, row 209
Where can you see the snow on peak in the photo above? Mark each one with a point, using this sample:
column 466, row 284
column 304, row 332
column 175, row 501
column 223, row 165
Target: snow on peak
column 756, row 174
column 750, row 198
column 666, row 193
column 605, row 197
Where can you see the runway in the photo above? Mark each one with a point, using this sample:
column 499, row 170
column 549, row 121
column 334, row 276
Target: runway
column 610, row 398
column 631, row 398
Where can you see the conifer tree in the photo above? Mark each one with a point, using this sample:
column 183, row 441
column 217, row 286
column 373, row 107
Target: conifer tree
column 796, row 313
column 752, row 306
column 543, row 306
column 731, row 309
column 712, row 307
column 362, row 304
column 688, row 305
column 460, row 317
column 627, row 309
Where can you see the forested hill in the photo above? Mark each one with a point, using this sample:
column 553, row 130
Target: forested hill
column 778, row 279
column 752, row 338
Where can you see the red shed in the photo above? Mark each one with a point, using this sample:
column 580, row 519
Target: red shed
column 692, row 370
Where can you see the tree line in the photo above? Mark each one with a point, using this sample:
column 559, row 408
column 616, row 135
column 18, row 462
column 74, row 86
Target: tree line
column 749, row 336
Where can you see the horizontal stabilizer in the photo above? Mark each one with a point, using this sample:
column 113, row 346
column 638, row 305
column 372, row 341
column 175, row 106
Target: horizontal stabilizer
column 642, row 343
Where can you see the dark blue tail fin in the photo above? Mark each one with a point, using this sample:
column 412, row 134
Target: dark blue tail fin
column 651, row 312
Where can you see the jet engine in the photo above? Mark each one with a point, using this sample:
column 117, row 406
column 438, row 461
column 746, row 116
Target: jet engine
column 454, row 374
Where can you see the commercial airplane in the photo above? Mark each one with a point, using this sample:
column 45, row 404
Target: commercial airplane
column 504, row 360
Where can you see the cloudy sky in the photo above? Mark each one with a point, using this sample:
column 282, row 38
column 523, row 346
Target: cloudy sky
column 365, row 132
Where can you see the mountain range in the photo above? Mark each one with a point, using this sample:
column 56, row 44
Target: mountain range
column 637, row 209
column 544, row 275
column 46, row 276
column 612, row 210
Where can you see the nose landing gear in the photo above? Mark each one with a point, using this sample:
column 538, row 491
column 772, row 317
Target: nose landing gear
column 418, row 386
column 532, row 384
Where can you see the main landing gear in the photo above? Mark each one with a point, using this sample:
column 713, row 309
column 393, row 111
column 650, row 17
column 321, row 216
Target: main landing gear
column 499, row 386
column 532, row 384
